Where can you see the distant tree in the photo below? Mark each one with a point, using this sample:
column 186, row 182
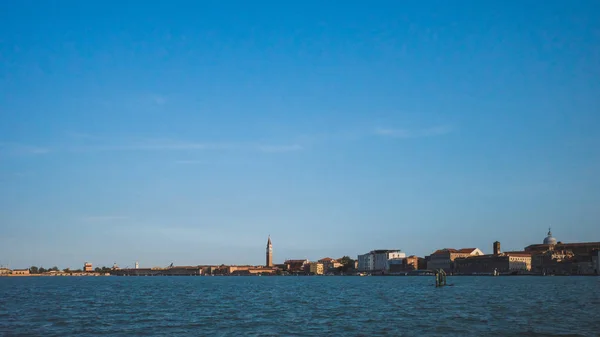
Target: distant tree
column 77, row 271
column 67, row 270
column 41, row 270
column 346, row 260
column 97, row 270
column 347, row 264
column 55, row 268
column 34, row 270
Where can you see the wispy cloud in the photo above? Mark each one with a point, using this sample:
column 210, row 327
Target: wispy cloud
column 418, row 133
column 179, row 145
column 187, row 162
column 280, row 148
column 22, row 149
column 103, row 218
column 154, row 145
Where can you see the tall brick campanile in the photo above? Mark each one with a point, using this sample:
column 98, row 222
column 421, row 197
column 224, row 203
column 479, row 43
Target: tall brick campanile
column 496, row 248
column 269, row 253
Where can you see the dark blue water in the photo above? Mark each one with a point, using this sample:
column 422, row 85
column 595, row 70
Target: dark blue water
column 299, row 306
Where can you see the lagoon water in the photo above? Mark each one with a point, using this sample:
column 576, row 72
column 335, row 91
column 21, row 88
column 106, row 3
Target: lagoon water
column 299, row 306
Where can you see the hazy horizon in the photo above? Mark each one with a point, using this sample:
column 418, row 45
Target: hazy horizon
column 188, row 132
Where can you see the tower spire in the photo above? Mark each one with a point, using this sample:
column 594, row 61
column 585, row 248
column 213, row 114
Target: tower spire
column 269, row 259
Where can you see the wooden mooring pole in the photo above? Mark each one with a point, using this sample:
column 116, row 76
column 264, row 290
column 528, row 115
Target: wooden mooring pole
column 440, row 278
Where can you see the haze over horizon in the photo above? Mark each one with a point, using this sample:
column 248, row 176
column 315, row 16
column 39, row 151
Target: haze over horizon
column 188, row 132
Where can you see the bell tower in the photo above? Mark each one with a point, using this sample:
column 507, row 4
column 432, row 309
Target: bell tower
column 496, row 248
column 269, row 253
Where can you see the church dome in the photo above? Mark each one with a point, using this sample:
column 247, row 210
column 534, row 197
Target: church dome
column 549, row 240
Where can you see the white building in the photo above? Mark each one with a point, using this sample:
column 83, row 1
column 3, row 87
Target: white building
column 365, row 262
column 377, row 260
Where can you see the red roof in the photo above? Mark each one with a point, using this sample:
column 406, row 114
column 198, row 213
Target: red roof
column 326, row 259
column 444, row 251
column 452, row 250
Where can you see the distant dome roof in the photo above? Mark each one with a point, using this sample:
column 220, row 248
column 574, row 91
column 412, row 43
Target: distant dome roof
column 549, row 240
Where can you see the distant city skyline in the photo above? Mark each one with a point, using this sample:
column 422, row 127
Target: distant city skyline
column 158, row 134
column 269, row 257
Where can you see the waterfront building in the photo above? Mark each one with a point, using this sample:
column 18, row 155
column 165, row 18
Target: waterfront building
column 408, row 264
column 414, row 262
column 377, row 260
column 5, row 271
column 365, row 262
column 296, row 266
column 518, row 261
column 269, row 260
column 159, row 271
column 234, row 269
column 329, row 264
column 552, row 262
column 241, row 270
column 20, row 272
column 508, row 262
column 444, row 258
column 395, row 265
column 257, row 270
column 584, row 266
column 316, row 268
column 557, row 258
column 262, row 270
column 335, row 264
column 87, row 267
column 246, row 270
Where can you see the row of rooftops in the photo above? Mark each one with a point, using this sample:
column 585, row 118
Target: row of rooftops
column 562, row 244
column 455, row 251
column 504, row 254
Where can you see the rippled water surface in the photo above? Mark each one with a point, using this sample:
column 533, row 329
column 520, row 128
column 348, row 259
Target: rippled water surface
column 300, row 306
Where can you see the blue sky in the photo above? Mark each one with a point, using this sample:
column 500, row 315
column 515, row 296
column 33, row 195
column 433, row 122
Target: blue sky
column 187, row 132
